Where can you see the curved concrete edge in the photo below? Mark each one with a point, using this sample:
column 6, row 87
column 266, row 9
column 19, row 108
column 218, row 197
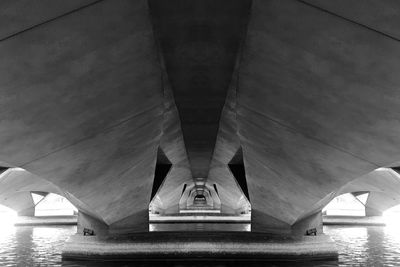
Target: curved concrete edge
column 354, row 220
column 204, row 245
column 46, row 220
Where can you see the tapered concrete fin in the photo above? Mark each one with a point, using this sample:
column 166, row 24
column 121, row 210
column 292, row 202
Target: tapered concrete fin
column 163, row 166
column 236, row 166
column 184, row 29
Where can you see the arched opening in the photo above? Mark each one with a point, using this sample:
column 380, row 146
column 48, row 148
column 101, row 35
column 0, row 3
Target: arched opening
column 200, row 200
column 349, row 204
column 51, row 204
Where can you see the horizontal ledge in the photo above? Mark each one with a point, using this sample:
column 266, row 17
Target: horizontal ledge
column 353, row 220
column 199, row 211
column 200, row 245
column 198, row 218
column 46, row 220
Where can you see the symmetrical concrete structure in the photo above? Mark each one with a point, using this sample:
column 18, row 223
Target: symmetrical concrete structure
column 277, row 105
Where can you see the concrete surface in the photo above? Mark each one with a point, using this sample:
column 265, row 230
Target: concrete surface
column 200, row 245
column 302, row 94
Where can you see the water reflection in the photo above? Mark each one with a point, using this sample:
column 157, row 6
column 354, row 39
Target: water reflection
column 33, row 246
column 366, row 246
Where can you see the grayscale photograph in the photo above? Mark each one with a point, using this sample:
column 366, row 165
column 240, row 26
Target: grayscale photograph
column 199, row 133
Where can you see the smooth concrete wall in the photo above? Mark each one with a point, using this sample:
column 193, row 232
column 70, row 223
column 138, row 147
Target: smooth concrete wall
column 19, row 15
column 317, row 102
column 382, row 16
column 83, row 106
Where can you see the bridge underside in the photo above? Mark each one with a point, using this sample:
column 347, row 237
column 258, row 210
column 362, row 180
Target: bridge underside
column 263, row 107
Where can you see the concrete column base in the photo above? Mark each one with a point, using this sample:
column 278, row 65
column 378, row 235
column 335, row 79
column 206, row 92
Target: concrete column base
column 262, row 223
column 369, row 212
column 88, row 222
column 199, row 245
column 27, row 212
column 308, row 225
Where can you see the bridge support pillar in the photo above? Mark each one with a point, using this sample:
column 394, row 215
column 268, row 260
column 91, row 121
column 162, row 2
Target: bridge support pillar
column 91, row 226
column 27, row 212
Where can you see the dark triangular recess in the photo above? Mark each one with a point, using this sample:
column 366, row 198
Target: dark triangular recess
column 43, row 194
column 163, row 165
column 183, row 189
column 236, row 165
column 216, row 189
column 356, row 194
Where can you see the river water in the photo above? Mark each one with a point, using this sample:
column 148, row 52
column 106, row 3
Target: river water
column 41, row 246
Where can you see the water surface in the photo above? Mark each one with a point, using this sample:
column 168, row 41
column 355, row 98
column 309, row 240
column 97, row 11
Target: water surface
column 41, row 246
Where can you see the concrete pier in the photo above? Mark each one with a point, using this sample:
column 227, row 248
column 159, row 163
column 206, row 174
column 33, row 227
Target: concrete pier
column 199, row 245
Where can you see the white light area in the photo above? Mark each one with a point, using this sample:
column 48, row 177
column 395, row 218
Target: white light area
column 7, row 219
column 345, row 205
column 36, row 198
column 54, row 205
column 363, row 198
column 392, row 218
column 152, row 227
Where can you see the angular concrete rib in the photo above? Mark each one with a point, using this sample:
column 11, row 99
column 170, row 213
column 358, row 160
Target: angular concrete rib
column 199, row 41
column 167, row 197
column 84, row 108
column 307, row 110
column 233, row 199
